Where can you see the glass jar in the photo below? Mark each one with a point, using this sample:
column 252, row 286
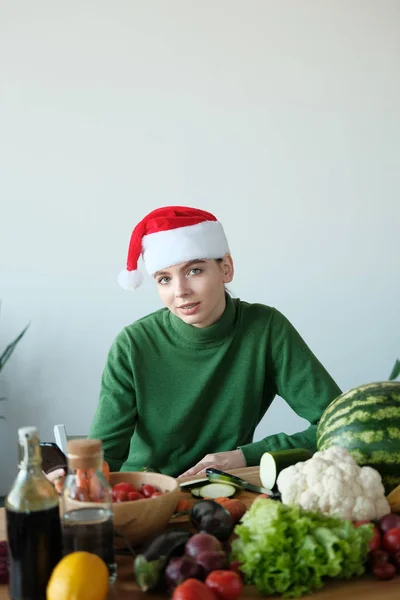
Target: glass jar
column 87, row 515
column 33, row 523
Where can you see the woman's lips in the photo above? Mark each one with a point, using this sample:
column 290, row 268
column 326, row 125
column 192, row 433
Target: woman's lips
column 189, row 309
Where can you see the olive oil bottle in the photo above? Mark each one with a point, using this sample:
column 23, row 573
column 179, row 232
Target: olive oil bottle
column 33, row 523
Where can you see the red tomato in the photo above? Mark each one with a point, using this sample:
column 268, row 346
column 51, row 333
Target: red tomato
column 193, row 589
column 226, row 584
column 124, row 487
column 135, row 496
column 156, row 494
column 119, row 496
column 148, row 490
column 391, row 540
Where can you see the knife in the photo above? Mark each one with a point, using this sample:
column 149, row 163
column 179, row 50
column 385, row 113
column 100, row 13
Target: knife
column 223, row 477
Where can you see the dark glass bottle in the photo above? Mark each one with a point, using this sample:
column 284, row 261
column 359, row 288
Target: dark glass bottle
column 33, row 523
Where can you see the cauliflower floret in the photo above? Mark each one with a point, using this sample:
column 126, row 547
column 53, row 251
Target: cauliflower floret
column 371, row 482
column 382, row 507
column 332, row 483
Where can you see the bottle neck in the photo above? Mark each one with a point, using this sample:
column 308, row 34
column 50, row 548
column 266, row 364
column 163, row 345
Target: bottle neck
column 90, row 463
column 30, row 457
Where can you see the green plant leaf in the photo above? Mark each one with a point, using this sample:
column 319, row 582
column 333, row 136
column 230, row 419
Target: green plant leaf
column 10, row 348
column 395, row 371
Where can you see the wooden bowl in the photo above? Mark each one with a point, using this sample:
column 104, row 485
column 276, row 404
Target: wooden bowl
column 139, row 520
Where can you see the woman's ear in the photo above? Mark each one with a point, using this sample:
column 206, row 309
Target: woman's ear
column 228, row 268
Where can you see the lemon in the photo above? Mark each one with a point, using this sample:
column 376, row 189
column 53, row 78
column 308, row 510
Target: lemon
column 78, row 576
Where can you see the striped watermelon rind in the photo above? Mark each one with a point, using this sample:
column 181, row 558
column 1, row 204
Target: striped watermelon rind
column 366, row 421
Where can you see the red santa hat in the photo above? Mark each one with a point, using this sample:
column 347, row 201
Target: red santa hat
column 171, row 235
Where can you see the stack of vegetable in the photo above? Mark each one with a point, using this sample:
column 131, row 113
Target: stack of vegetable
column 286, row 550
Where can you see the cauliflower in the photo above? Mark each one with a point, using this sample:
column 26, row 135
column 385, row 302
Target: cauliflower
column 332, row 483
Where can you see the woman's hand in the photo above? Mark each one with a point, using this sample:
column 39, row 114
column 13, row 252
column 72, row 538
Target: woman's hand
column 56, row 477
column 220, row 460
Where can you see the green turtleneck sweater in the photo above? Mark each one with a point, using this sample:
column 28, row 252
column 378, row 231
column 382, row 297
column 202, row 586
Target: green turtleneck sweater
column 172, row 393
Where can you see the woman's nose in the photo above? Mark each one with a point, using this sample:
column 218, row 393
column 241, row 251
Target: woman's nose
column 182, row 288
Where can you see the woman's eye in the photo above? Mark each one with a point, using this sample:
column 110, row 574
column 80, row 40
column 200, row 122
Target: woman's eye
column 194, row 271
column 163, row 280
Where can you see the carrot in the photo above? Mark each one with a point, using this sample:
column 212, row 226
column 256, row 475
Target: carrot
column 106, row 470
column 236, row 508
column 222, row 500
column 182, row 505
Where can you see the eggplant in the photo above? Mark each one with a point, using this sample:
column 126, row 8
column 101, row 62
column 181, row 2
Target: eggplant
column 149, row 565
column 213, row 518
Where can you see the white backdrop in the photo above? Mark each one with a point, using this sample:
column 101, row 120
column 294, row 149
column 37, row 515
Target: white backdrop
column 282, row 118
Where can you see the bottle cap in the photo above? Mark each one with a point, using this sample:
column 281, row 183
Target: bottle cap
column 27, row 433
column 84, row 453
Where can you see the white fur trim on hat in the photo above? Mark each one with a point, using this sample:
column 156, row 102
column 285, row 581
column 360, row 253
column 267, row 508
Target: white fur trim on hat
column 173, row 246
column 130, row 280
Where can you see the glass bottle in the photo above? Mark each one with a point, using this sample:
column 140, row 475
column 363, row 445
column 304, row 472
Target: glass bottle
column 33, row 523
column 87, row 515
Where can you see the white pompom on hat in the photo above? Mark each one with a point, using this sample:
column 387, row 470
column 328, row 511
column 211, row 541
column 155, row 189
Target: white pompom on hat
column 171, row 235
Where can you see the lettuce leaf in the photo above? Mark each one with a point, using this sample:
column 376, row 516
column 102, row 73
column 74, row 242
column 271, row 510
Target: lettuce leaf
column 286, row 550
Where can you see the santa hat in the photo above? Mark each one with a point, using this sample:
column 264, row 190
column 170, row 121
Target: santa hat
column 169, row 236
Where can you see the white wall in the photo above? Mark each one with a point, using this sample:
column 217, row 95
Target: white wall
column 283, row 118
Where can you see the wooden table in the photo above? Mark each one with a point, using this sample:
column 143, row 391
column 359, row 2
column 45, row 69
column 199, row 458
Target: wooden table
column 365, row 588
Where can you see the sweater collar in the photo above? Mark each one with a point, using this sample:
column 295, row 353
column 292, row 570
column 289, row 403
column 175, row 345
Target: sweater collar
column 216, row 332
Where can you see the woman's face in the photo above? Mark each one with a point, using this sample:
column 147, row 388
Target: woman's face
column 194, row 291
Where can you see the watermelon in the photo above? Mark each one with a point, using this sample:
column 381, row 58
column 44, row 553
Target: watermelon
column 366, row 421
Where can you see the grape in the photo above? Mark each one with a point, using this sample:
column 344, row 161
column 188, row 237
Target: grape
column 390, row 521
column 212, row 560
column 181, row 568
column 3, row 572
column 3, row 548
column 384, row 571
column 200, row 542
column 396, row 560
column 378, row 557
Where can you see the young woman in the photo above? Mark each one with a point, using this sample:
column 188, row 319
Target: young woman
column 185, row 387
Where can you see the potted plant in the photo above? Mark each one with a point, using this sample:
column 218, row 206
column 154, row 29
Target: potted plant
column 7, row 353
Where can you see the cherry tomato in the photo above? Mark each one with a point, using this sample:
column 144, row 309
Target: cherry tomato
column 119, row 496
column 148, row 490
column 193, row 589
column 124, row 487
column 376, row 541
column 135, row 496
column 226, row 584
column 359, row 523
column 391, row 540
column 384, row 571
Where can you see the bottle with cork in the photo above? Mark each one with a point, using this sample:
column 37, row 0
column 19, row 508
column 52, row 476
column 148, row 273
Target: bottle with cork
column 33, row 523
column 87, row 515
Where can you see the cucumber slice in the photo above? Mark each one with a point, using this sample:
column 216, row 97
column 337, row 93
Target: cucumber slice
column 193, row 483
column 217, row 490
column 272, row 463
column 196, row 492
column 225, row 480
